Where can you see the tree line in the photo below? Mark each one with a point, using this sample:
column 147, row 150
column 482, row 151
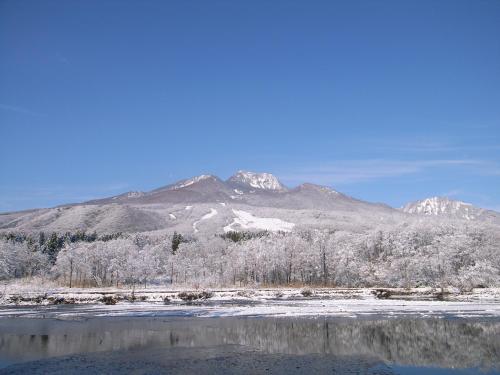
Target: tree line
column 460, row 255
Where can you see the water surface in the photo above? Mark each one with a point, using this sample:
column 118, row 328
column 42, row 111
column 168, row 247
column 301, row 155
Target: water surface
column 250, row 345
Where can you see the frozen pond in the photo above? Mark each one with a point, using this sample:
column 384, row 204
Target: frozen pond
column 168, row 342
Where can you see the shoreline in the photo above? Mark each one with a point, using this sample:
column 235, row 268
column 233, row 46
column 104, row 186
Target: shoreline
column 263, row 303
column 39, row 296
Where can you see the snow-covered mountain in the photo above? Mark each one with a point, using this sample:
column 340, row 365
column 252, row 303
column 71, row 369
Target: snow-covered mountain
column 246, row 201
column 443, row 206
column 252, row 180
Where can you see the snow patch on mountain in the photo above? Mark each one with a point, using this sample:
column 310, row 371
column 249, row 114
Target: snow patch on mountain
column 319, row 188
column 191, row 181
column 135, row 194
column 264, row 181
column 172, row 216
column 130, row 194
column 248, row 221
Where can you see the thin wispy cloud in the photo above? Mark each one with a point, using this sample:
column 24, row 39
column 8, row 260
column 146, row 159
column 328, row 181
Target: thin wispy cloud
column 353, row 171
column 47, row 196
column 17, row 109
column 417, row 145
column 424, row 145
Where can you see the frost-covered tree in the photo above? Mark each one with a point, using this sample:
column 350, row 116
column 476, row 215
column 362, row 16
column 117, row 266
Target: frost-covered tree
column 463, row 255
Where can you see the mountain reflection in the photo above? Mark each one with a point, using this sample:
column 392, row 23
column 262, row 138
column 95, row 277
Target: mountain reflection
column 415, row 342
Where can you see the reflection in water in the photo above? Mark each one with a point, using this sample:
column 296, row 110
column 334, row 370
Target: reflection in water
column 415, row 342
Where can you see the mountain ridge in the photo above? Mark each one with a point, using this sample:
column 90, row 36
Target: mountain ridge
column 244, row 200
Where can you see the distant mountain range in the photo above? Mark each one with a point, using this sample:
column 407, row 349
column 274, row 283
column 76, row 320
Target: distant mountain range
column 245, row 201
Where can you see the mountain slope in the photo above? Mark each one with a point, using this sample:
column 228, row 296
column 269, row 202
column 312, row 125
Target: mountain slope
column 247, row 200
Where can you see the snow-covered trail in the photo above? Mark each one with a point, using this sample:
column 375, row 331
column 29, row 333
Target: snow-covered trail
column 211, row 214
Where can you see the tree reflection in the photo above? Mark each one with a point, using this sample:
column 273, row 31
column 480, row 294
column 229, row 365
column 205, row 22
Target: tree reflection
column 415, row 342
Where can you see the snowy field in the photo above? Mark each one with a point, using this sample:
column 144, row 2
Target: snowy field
column 245, row 220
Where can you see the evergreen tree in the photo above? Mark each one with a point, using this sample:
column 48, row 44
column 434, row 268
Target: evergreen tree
column 52, row 246
column 177, row 239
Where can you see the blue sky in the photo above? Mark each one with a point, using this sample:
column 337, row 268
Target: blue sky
column 386, row 101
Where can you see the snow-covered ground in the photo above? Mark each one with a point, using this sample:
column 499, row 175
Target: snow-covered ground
column 245, row 220
column 254, row 303
column 350, row 308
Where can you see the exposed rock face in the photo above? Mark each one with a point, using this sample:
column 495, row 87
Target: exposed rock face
column 253, row 180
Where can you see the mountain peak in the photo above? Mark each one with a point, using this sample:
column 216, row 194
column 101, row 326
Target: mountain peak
column 191, row 181
column 262, row 181
column 441, row 206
